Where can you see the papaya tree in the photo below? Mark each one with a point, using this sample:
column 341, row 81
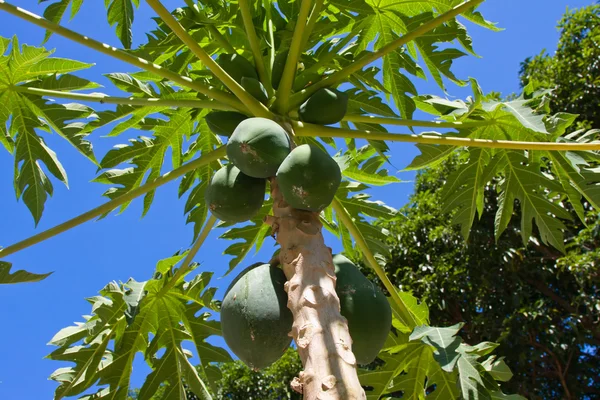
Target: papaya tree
column 303, row 94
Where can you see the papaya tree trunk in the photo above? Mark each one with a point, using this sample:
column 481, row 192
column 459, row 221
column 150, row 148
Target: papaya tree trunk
column 319, row 330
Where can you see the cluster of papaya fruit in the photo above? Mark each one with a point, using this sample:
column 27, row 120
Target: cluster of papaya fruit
column 260, row 148
column 256, row 322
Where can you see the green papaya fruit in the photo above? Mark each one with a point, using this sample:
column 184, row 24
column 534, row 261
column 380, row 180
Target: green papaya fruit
column 256, row 89
column 237, row 67
column 255, row 320
column 365, row 307
column 278, row 66
column 258, row 146
column 325, row 107
column 308, row 178
column 233, row 196
column 223, row 123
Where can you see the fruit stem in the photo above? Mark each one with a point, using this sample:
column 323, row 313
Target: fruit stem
column 116, row 202
column 131, row 101
column 211, row 28
column 319, row 330
column 255, row 106
column 403, row 311
column 289, row 72
column 122, row 55
column 372, row 119
column 187, row 261
column 357, row 65
column 255, row 46
column 303, row 129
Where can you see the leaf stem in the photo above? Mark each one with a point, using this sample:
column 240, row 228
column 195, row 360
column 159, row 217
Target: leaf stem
column 131, row 101
column 120, row 54
column 111, row 205
column 373, row 119
column 303, row 129
column 187, row 261
column 289, row 71
column 314, row 16
column 255, row 107
column 255, row 45
column 346, row 220
column 211, row 28
column 299, row 97
column 270, row 30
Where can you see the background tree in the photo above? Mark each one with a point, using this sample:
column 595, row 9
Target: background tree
column 238, row 382
column 574, row 70
column 542, row 306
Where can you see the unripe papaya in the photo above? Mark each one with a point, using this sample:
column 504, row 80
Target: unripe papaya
column 256, row 89
column 365, row 307
column 223, row 123
column 308, row 178
column 258, row 146
column 233, row 196
column 278, row 66
column 325, row 107
column 237, row 67
column 255, row 320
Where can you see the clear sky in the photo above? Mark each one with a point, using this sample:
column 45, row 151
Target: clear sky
column 118, row 247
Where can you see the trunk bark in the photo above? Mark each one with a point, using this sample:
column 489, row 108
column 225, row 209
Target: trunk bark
column 319, row 330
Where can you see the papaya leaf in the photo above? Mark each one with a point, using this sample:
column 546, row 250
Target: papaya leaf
column 112, row 337
column 26, row 115
column 20, row 276
column 195, row 206
column 119, row 13
column 522, row 174
column 247, row 236
column 147, row 154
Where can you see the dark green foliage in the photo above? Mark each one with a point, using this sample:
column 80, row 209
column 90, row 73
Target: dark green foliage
column 256, row 89
column 223, row 123
column 573, row 72
column 234, row 197
column 255, row 320
column 258, row 146
column 273, row 383
column 325, row 107
column 238, row 382
column 278, row 66
column 542, row 307
column 309, row 178
column 237, row 67
column 365, row 307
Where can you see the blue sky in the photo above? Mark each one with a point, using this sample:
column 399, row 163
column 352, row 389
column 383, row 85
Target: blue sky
column 118, row 247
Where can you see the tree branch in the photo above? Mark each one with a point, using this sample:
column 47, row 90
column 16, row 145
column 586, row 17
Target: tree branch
column 557, row 364
column 406, row 316
column 111, row 205
column 299, row 97
column 255, row 46
column 373, row 119
column 131, row 101
column 122, row 55
column 255, row 107
column 304, row 129
column 289, row 71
